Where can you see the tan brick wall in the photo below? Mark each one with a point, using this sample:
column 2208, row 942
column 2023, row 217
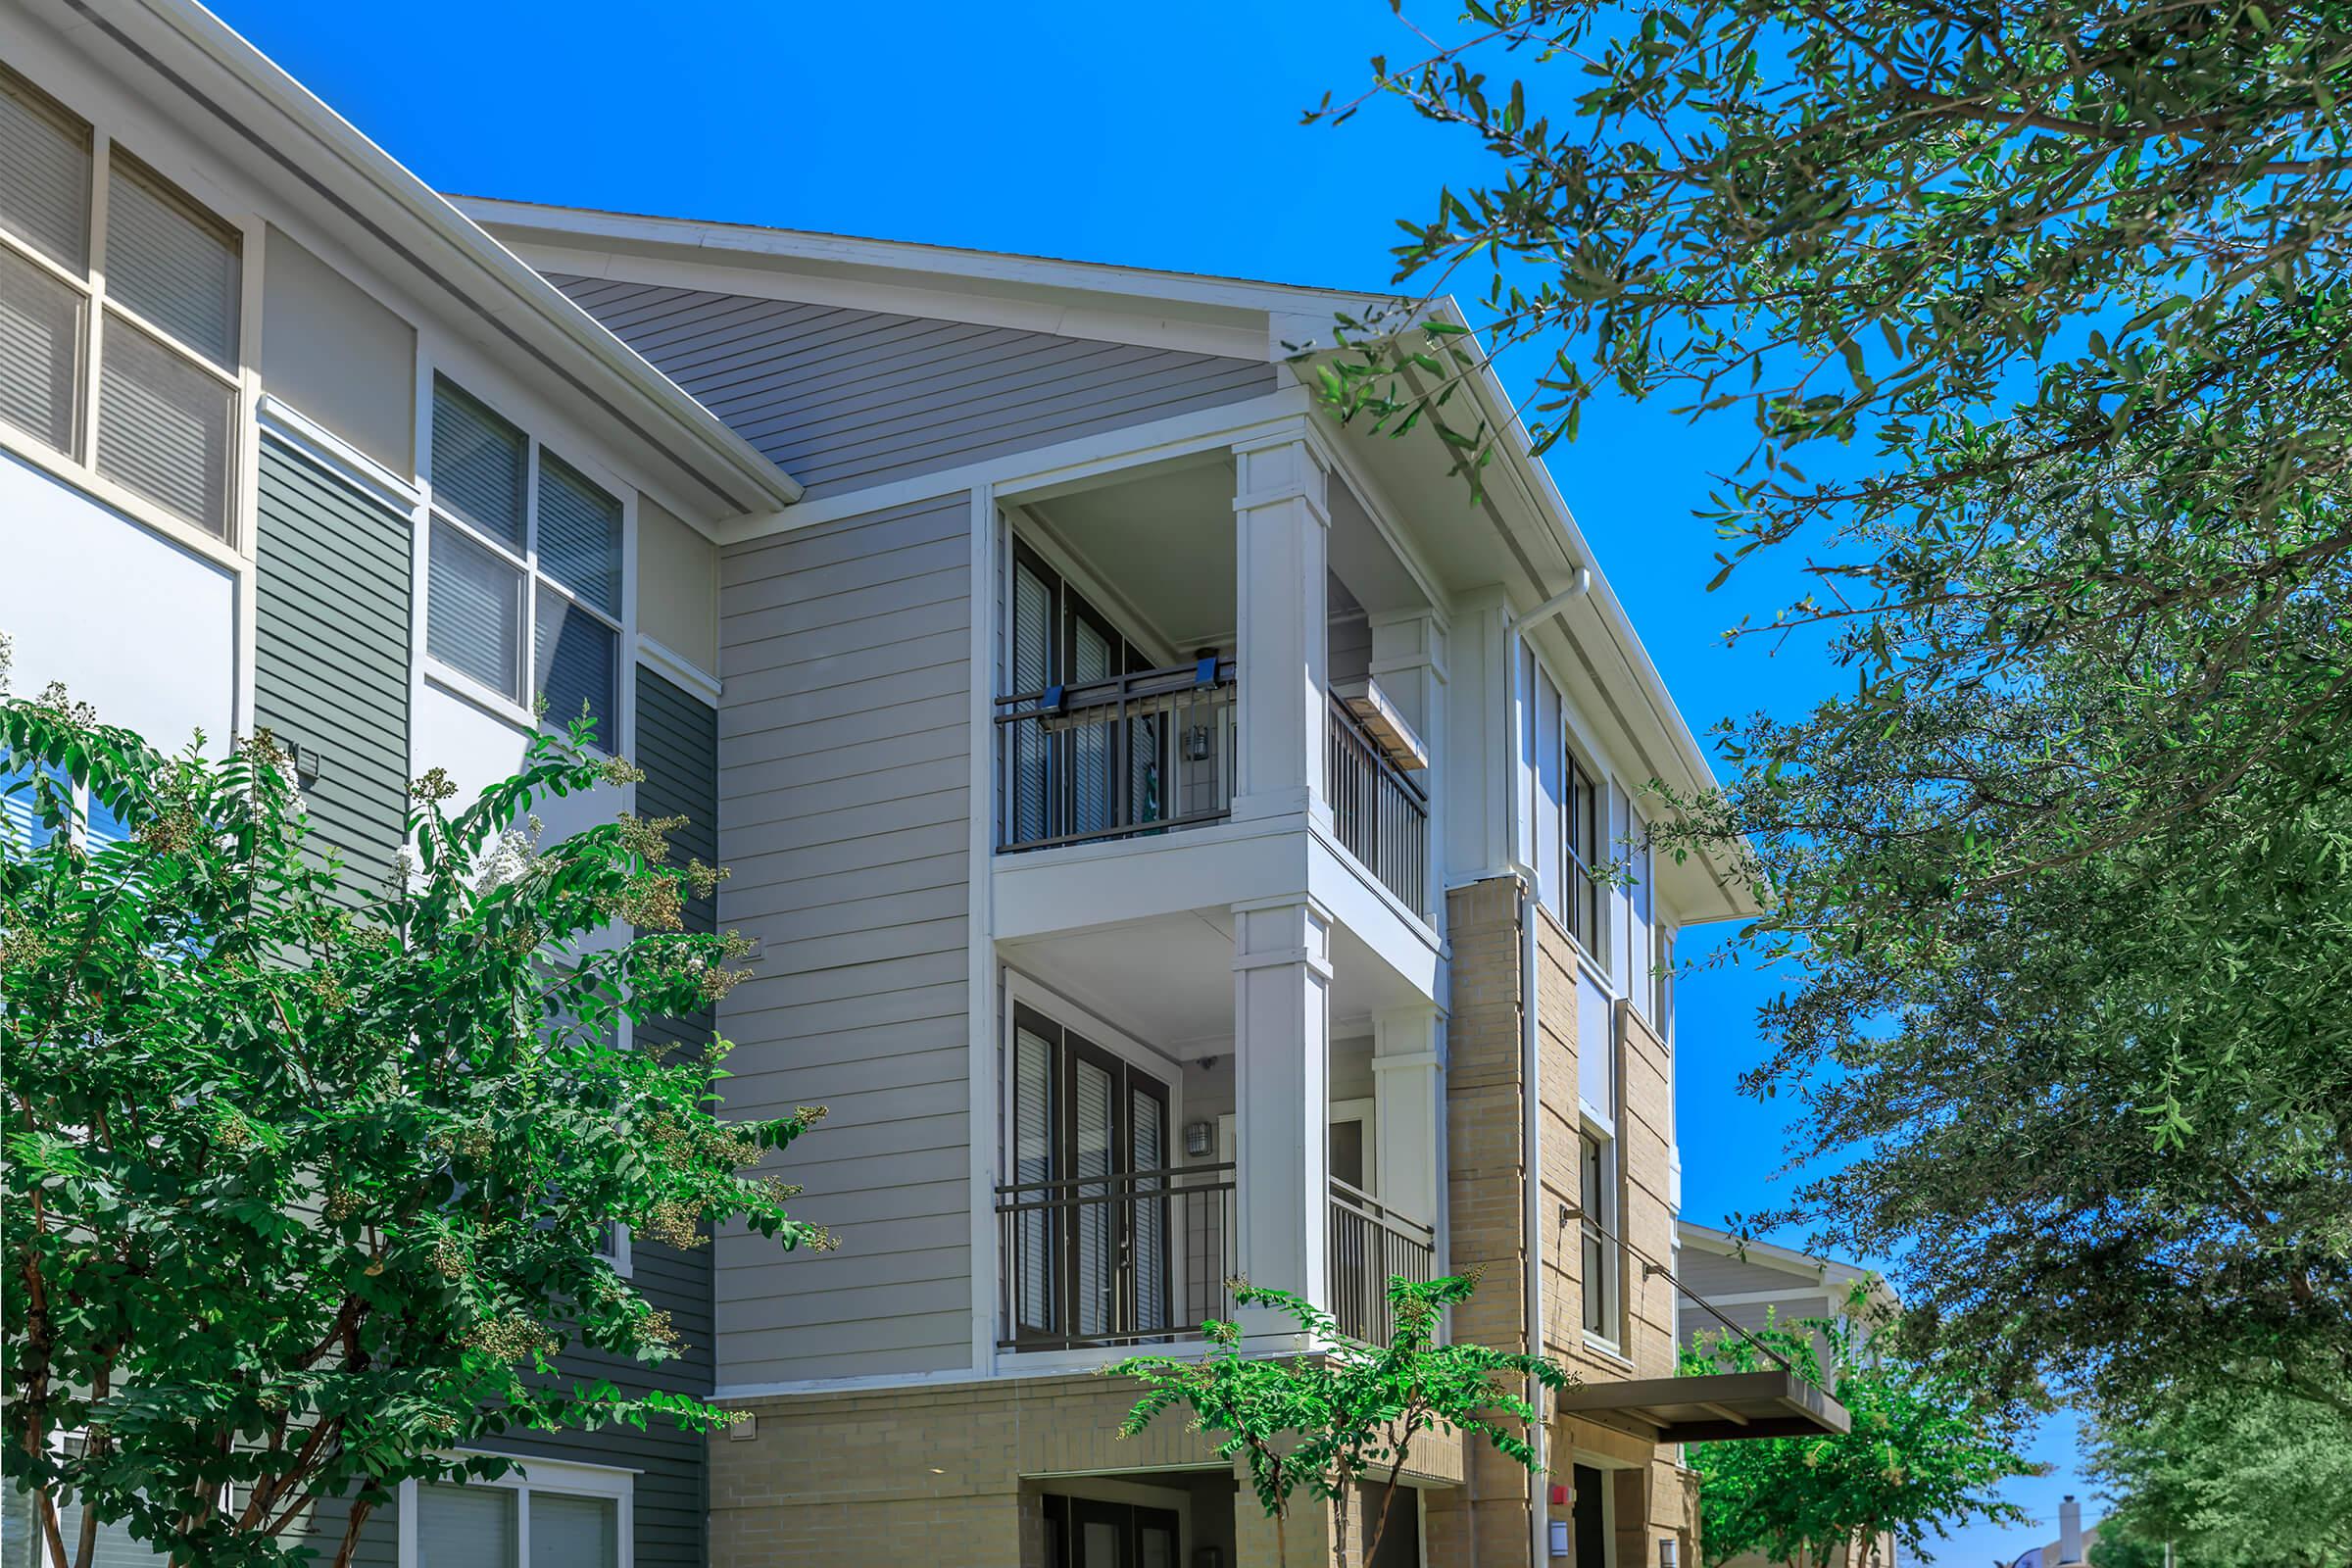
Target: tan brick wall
column 1487, row 1520
column 950, row 1474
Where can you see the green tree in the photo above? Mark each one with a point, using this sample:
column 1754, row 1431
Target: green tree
column 1921, row 1456
column 1325, row 1422
column 2230, row 1477
column 305, row 1182
column 2034, row 321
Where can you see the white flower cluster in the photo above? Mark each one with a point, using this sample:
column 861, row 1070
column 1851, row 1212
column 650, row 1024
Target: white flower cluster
column 508, row 860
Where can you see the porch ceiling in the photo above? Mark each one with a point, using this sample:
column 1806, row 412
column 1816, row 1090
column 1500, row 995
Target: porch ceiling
column 1162, row 543
column 1716, row 1407
column 1169, row 982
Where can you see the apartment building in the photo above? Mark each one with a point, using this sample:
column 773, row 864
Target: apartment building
column 1179, row 829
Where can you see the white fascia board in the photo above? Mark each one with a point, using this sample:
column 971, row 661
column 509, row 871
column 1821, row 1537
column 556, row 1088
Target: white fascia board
column 1234, row 317
column 1765, row 1254
column 330, row 156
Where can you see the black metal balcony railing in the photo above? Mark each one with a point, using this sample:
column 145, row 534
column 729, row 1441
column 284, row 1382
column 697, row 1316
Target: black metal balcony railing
column 1381, row 815
column 1141, row 753
column 1115, row 1259
column 1368, row 1244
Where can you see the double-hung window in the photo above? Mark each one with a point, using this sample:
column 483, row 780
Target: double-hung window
column 551, row 1516
column 523, row 595
column 119, row 306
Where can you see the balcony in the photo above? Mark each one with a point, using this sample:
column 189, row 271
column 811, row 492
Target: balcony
column 1123, row 1258
column 1367, row 1245
column 1143, row 1258
column 1144, row 753
column 1380, row 814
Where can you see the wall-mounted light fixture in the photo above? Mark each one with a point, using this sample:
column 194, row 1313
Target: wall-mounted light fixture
column 1670, row 1552
column 1559, row 1538
column 1199, row 1137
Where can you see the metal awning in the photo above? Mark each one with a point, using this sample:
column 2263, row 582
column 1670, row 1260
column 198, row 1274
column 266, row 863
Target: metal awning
column 1716, row 1407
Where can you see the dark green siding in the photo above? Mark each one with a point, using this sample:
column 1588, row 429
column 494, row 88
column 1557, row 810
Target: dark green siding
column 677, row 747
column 331, row 651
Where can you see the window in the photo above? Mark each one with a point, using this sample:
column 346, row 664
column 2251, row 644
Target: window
column 1597, row 1220
column 523, row 587
column 1567, row 814
column 25, row 816
column 150, row 294
column 1092, row 1262
column 1587, row 896
column 1661, row 979
column 21, row 1543
column 557, row 1516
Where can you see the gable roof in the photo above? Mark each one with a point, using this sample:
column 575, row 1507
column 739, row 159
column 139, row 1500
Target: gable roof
column 280, row 131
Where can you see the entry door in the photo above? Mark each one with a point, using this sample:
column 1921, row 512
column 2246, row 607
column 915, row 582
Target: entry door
column 1111, row 1535
column 1099, row 1535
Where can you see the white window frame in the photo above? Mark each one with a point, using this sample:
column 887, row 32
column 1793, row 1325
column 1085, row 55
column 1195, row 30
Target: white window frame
column 80, row 465
column 618, row 1251
column 611, row 738
column 567, row 1477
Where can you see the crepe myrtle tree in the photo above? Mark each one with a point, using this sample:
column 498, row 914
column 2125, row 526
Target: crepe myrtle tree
column 1925, row 1451
column 307, row 1182
column 1325, row 1422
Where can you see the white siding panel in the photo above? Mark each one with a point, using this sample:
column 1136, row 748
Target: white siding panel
column 843, row 793
column 142, row 630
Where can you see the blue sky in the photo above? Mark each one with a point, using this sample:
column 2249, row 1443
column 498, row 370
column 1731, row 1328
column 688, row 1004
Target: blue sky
column 1148, row 135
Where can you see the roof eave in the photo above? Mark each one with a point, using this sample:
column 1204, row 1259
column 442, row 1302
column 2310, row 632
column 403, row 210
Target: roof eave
column 470, row 259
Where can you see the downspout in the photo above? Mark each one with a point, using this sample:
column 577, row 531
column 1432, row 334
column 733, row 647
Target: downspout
column 1532, row 1092
column 1577, row 587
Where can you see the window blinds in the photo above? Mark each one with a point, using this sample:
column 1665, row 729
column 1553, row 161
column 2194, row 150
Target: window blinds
column 40, row 350
column 465, row 1526
column 576, row 665
column 579, row 534
column 165, row 428
column 481, row 466
column 44, row 174
column 475, row 610
column 170, row 261
column 569, row 1532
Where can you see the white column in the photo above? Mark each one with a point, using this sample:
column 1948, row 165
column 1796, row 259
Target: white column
column 1280, row 554
column 1281, row 1052
column 1481, row 745
column 1408, row 1086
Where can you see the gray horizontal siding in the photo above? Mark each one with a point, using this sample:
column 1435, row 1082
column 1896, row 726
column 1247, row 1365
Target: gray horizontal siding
column 1714, row 1274
column 844, row 743
column 331, row 651
column 844, row 399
